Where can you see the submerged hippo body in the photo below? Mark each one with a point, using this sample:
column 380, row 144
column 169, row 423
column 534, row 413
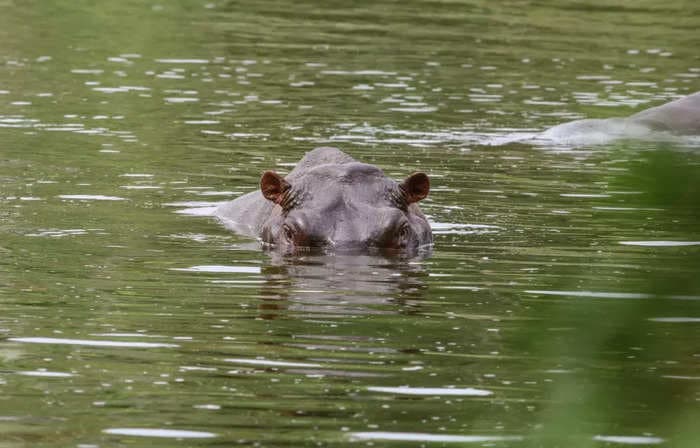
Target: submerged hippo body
column 679, row 117
column 330, row 200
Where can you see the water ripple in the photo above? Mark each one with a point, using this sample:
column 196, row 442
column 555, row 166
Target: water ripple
column 92, row 343
column 629, row 440
column 425, row 437
column 660, row 243
column 45, row 374
column 159, row 432
column 90, row 197
column 437, row 391
column 221, row 269
column 269, row 363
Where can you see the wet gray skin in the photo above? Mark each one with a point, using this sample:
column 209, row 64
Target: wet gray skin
column 330, row 201
column 679, row 117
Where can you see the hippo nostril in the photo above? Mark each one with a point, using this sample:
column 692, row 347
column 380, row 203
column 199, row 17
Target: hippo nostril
column 320, row 241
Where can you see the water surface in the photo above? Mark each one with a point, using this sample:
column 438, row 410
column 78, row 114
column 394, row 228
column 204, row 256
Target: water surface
column 559, row 306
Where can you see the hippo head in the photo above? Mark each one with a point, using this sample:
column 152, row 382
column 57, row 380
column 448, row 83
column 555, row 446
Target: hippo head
column 345, row 206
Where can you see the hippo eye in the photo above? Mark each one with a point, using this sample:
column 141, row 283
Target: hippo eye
column 288, row 233
column 403, row 231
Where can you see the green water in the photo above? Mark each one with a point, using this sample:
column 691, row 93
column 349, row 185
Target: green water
column 560, row 306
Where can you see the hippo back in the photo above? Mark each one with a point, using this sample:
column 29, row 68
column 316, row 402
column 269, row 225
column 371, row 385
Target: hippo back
column 671, row 120
column 680, row 116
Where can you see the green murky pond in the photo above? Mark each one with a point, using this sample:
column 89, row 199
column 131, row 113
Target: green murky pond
column 560, row 306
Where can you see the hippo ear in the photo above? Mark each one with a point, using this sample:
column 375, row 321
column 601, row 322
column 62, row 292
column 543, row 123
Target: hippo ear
column 273, row 186
column 416, row 186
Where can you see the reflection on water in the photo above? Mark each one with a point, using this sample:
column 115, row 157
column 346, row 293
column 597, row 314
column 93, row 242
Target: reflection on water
column 627, row 440
column 166, row 433
column 421, row 437
column 433, row 391
column 94, row 343
column 340, row 286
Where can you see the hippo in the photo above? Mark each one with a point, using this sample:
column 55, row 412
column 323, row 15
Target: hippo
column 330, row 201
column 679, row 117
